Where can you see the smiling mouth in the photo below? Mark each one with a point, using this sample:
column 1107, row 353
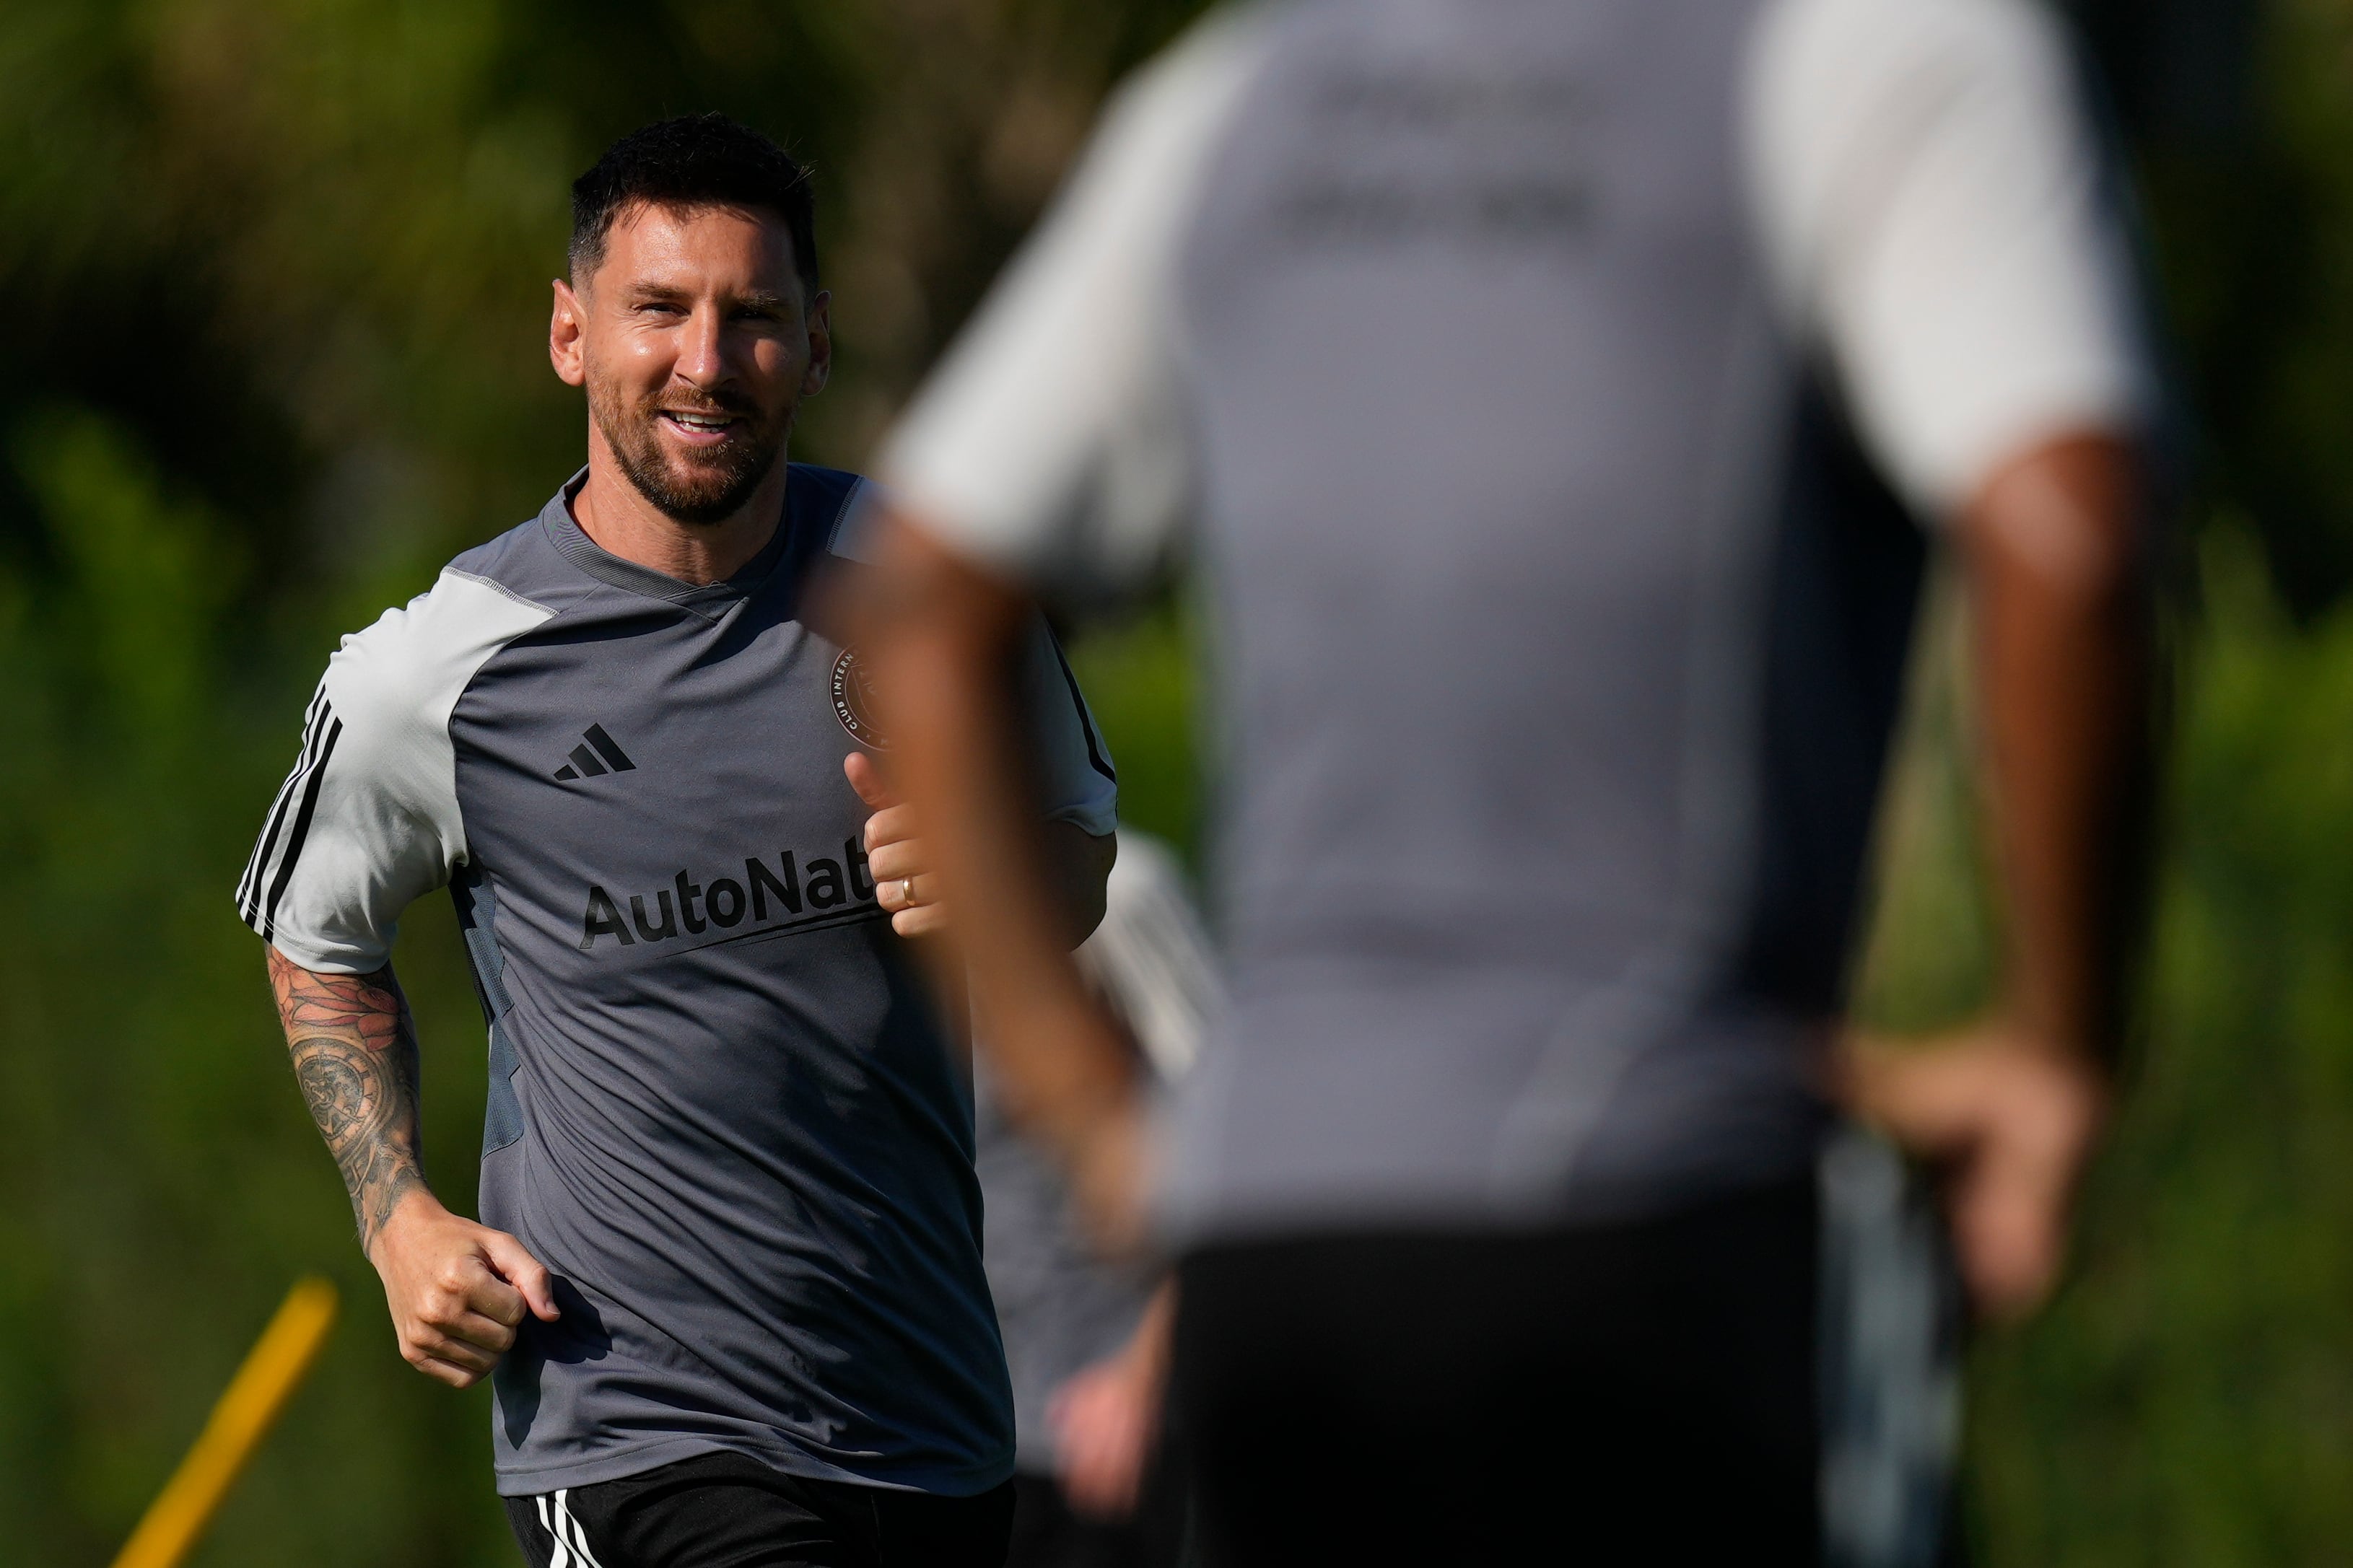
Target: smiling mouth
column 699, row 424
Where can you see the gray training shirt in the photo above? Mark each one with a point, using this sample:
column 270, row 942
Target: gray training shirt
column 720, row 1107
column 1548, row 392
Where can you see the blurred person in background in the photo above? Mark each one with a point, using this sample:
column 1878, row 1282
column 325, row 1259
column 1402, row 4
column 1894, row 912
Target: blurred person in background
column 1087, row 1339
column 728, row 1284
column 1559, row 401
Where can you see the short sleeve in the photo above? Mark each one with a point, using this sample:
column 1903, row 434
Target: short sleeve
column 368, row 819
column 1074, row 765
column 1050, row 445
column 1943, row 226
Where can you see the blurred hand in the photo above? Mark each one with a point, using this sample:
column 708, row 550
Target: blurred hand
column 458, row 1291
column 1105, row 1418
column 903, row 882
column 2009, row 1118
column 1102, row 1432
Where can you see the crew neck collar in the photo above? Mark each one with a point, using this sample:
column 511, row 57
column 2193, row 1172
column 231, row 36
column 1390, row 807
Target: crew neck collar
column 710, row 599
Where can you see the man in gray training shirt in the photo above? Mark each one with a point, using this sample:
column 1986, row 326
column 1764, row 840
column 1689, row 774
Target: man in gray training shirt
column 728, row 1286
column 1560, row 397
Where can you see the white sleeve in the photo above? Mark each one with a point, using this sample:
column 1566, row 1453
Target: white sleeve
column 1074, row 766
column 1151, row 958
column 368, row 820
column 1050, row 445
column 1932, row 198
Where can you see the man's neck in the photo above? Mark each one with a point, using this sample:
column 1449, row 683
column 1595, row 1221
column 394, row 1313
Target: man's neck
column 618, row 519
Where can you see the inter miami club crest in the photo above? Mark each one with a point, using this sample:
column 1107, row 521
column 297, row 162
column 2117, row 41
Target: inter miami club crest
column 854, row 701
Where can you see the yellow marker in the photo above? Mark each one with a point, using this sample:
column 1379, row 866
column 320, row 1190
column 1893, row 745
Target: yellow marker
column 240, row 1422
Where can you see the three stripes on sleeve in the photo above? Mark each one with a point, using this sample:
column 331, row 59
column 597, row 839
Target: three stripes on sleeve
column 271, row 869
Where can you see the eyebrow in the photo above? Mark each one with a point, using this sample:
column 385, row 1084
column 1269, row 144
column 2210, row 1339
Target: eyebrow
column 659, row 294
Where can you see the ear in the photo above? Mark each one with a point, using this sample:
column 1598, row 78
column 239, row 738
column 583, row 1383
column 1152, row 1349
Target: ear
column 821, row 342
column 566, row 325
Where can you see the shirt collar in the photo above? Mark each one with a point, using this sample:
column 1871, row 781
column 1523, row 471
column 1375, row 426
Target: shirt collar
column 708, row 599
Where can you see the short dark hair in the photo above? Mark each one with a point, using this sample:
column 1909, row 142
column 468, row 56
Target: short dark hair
column 694, row 161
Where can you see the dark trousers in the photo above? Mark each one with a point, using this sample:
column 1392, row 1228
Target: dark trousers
column 1641, row 1393
column 1047, row 1533
column 727, row 1511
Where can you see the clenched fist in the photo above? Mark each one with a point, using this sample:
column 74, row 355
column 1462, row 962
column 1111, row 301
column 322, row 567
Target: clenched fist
column 458, row 1291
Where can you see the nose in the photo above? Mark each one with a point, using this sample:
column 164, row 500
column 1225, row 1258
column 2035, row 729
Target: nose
column 701, row 349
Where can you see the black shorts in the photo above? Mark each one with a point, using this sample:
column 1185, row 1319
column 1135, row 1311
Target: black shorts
column 1643, row 1394
column 728, row 1511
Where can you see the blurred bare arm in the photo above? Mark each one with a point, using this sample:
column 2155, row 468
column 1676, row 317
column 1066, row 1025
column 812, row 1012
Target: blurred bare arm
column 1077, row 863
column 457, row 1290
column 942, row 636
column 2010, row 1108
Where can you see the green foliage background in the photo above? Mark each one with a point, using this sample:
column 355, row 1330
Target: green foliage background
column 274, row 277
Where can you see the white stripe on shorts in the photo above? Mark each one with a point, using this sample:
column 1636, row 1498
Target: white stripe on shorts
column 579, row 1536
column 562, row 1558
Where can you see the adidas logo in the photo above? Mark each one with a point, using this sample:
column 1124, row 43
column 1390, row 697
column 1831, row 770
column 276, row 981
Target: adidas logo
column 606, row 758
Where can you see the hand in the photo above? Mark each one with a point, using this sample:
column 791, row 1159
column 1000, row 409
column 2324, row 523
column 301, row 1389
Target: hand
column 1104, row 1419
column 1102, row 1430
column 2010, row 1117
column 458, row 1291
column 895, row 859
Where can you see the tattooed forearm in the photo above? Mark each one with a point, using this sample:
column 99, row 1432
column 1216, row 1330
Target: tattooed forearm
column 355, row 1048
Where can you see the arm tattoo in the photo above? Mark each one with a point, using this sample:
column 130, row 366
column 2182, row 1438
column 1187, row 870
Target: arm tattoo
column 355, row 1048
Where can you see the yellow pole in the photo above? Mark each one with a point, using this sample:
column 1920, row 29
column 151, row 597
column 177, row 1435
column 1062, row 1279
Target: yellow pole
column 240, row 1422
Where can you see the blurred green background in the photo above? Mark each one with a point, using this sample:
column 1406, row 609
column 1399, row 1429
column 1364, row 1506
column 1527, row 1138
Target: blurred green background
column 272, row 306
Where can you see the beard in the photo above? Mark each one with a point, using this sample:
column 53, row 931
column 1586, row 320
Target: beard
column 704, row 487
